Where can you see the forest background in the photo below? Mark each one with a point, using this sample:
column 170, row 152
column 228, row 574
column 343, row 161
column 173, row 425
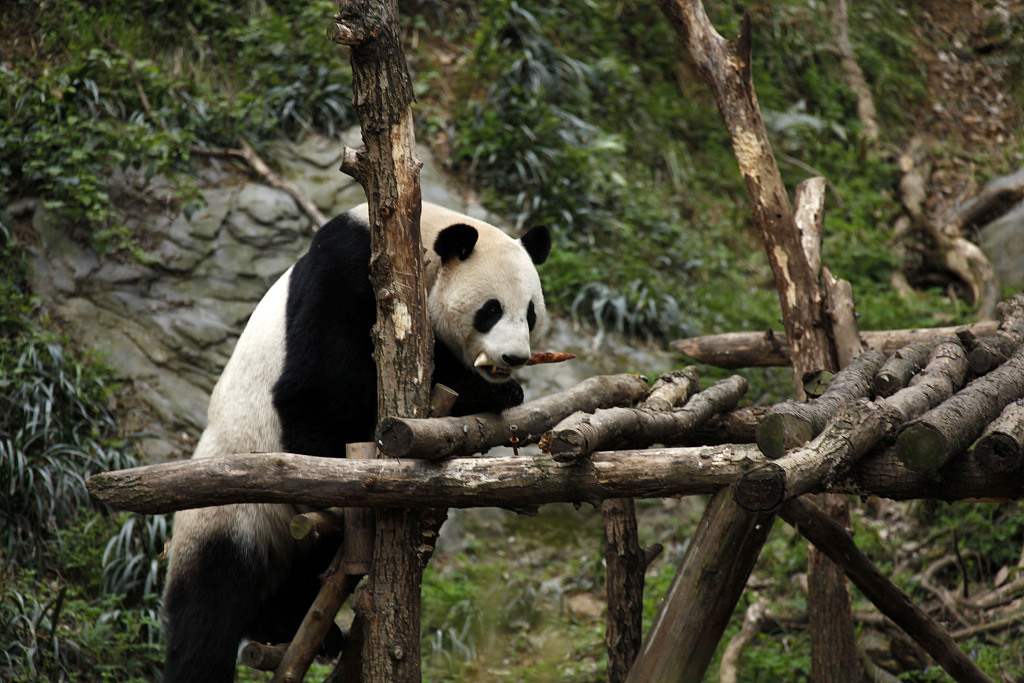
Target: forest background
column 584, row 114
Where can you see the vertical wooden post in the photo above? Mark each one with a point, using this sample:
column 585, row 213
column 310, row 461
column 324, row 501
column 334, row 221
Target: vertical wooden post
column 625, row 564
column 359, row 522
column 703, row 594
column 388, row 170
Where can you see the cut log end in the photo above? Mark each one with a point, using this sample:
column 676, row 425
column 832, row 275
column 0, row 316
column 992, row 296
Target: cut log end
column 921, row 447
column 998, row 453
column 394, row 437
column 779, row 432
column 762, row 489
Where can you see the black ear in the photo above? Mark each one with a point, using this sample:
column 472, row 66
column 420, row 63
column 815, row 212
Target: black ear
column 538, row 243
column 455, row 241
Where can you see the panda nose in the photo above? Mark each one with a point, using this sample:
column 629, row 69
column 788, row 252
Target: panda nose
column 514, row 361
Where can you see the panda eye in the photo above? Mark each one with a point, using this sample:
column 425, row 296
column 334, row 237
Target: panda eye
column 531, row 316
column 487, row 316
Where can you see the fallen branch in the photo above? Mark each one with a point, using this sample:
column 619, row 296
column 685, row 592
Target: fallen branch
column 440, row 438
column 246, row 153
column 771, row 349
column 582, row 433
column 753, row 620
column 947, row 430
column 790, row 424
column 832, row 539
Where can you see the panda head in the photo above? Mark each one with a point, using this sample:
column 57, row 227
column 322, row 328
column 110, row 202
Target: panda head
column 486, row 302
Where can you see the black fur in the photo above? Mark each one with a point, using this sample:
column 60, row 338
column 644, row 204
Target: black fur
column 210, row 615
column 455, row 241
column 325, row 398
column 537, row 242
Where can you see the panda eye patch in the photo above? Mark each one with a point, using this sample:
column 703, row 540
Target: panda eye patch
column 487, row 316
column 531, row 316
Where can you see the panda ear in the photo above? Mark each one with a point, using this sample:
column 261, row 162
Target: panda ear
column 455, row 241
column 537, row 242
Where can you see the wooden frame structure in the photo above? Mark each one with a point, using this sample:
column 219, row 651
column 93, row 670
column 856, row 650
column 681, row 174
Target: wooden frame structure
column 862, row 435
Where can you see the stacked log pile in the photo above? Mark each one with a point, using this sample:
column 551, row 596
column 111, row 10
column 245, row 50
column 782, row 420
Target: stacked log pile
column 862, row 435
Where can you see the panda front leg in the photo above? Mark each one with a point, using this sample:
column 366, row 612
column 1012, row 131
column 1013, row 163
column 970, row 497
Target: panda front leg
column 217, row 575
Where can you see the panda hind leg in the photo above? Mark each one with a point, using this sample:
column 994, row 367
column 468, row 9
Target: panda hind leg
column 209, row 605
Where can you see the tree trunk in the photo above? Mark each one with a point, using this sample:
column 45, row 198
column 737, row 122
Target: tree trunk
column 388, row 170
column 725, row 66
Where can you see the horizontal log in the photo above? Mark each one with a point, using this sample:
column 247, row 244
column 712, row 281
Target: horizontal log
column 763, row 349
column 990, row 352
column 1001, row 446
column 896, row 372
column 855, row 429
column 506, row 481
column 502, row 481
column 949, row 429
column 445, row 437
column 858, row 426
column 788, row 425
column 582, row 433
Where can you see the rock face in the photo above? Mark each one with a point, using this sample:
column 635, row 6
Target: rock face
column 168, row 324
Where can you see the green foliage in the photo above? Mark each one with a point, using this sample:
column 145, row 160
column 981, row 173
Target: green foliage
column 55, row 426
column 117, row 86
column 590, row 124
column 79, row 589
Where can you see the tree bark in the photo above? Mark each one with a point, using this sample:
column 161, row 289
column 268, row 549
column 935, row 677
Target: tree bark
column 1001, row 446
column 857, row 428
column 583, row 433
column 789, row 424
column 771, row 349
column 507, row 480
column 735, row 426
column 502, row 481
column 441, row 438
column 703, row 593
column 896, row 372
column 993, row 351
column 833, row 540
column 725, row 67
column 388, row 170
column 626, row 562
column 336, row 588
column 947, row 430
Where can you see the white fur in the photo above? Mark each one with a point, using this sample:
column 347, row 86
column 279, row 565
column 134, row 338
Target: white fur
column 241, row 419
column 241, row 415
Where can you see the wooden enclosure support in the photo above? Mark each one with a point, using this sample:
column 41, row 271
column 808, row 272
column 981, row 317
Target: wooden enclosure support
column 703, row 593
column 388, row 170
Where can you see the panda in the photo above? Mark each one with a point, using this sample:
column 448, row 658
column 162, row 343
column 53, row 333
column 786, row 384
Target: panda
column 302, row 379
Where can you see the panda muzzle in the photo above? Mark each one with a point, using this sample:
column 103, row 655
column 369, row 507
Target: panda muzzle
column 482, row 361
